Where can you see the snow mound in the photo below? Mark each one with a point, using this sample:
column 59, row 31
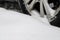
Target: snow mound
column 18, row 26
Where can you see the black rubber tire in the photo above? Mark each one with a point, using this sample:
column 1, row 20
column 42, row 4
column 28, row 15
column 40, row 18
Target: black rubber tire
column 23, row 7
column 56, row 22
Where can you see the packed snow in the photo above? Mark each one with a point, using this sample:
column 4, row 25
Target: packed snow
column 19, row 26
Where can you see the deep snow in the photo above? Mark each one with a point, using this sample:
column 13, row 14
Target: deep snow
column 18, row 26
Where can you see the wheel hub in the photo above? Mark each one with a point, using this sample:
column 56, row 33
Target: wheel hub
column 55, row 3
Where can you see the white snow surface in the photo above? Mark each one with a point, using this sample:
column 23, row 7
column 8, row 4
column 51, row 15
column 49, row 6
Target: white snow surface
column 18, row 26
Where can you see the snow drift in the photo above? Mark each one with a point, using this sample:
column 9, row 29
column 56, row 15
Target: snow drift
column 18, row 26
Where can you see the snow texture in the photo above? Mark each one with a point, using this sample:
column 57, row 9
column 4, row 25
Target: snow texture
column 18, row 26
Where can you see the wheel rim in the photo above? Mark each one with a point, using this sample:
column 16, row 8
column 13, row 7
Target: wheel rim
column 29, row 4
column 51, row 12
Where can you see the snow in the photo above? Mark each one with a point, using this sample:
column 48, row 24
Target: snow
column 18, row 26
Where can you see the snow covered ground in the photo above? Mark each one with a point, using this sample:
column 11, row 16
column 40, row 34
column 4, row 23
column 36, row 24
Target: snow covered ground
column 18, row 26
